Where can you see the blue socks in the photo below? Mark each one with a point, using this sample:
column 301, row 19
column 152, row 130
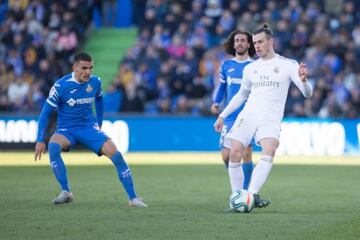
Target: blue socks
column 58, row 166
column 124, row 174
column 59, row 170
column 247, row 169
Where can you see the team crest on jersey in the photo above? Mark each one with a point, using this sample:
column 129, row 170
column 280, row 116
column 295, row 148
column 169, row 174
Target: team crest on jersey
column 255, row 72
column 89, row 88
column 71, row 102
column 276, row 70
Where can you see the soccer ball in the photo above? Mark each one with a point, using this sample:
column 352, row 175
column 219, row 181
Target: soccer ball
column 242, row 201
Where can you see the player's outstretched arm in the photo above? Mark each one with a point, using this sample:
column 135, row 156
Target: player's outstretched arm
column 42, row 125
column 236, row 101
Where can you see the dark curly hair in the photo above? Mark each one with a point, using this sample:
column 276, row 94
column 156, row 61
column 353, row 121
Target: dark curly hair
column 228, row 45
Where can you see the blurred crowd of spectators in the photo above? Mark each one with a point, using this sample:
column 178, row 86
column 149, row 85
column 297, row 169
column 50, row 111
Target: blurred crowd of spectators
column 173, row 66
column 37, row 40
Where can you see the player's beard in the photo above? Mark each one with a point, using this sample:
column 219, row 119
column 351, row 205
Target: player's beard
column 241, row 52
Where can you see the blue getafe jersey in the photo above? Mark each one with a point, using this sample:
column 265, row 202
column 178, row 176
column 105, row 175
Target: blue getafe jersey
column 231, row 73
column 74, row 101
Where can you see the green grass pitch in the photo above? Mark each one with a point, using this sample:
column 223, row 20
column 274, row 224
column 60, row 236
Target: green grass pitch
column 187, row 201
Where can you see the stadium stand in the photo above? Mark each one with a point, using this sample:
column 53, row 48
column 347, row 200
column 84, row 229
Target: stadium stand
column 172, row 66
column 37, row 41
column 174, row 61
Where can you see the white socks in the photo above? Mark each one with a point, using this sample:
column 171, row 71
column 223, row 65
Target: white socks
column 260, row 173
column 236, row 176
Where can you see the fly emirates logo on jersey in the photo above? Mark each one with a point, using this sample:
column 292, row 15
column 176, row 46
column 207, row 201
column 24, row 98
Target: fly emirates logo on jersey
column 265, row 82
column 72, row 102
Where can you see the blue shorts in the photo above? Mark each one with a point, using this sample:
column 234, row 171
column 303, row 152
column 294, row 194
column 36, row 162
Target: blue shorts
column 91, row 137
column 225, row 142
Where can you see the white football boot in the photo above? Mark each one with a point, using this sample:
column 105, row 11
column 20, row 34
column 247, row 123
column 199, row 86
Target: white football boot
column 64, row 197
column 137, row 202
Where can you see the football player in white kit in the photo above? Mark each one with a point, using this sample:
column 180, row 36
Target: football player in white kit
column 265, row 85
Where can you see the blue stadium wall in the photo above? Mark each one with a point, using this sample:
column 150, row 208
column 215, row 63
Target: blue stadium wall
column 136, row 134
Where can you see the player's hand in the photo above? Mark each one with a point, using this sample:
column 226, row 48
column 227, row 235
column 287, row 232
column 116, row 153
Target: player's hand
column 303, row 72
column 39, row 149
column 215, row 108
column 218, row 125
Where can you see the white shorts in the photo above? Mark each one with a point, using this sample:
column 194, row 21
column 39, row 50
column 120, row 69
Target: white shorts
column 248, row 126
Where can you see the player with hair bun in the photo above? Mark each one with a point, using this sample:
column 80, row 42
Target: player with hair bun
column 264, row 87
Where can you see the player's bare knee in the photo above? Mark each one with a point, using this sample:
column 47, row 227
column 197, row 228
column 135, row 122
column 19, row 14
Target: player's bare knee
column 60, row 139
column 247, row 155
column 109, row 148
column 56, row 138
column 269, row 150
column 235, row 155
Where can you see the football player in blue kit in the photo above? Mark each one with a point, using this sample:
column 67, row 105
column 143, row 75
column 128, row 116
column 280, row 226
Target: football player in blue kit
column 72, row 96
column 239, row 45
